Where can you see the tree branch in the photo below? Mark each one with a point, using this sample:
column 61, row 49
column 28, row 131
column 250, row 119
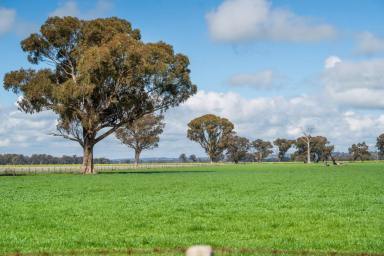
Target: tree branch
column 109, row 132
column 68, row 137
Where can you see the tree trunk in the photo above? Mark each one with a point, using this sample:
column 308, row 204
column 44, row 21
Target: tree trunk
column 308, row 152
column 333, row 160
column 88, row 144
column 137, row 157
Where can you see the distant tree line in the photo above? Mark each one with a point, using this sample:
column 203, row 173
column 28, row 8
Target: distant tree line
column 18, row 159
column 183, row 158
column 217, row 137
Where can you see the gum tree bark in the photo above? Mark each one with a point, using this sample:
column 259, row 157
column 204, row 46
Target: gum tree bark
column 87, row 167
column 137, row 157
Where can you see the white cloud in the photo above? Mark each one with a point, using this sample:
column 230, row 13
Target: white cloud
column 331, row 61
column 360, row 123
column 4, row 142
column 9, row 23
column 7, row 19
column 369, row 44
column 70, row 8
column 269, row 118
column 355, row 83
column 19, row 125
column 262, row 80
column 259, row 117
column 244, row 20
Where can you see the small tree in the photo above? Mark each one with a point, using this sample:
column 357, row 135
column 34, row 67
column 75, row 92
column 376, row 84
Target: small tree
column 262, row 149
column 101, row 76
column 327, row 154
column 237, row 148
column 306, row 138
column 359, row 151
column 142, row 134
column 212, row 133
column 183, row 158
column 380, row 145
column 193, row 158
column 319, row 148
column 283, row 146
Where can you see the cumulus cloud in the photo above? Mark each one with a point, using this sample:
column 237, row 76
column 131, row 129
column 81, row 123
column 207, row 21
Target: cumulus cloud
column 272, row 117
column 245, row 20
column 369, row 44
column 10, row 23
column 22, row 130
column 261, row 80
column 7, row 19
column 355, row 83
column 331, row 61
column 360, row 123
column 70, row 8
column 259, row 117
column 4, row 142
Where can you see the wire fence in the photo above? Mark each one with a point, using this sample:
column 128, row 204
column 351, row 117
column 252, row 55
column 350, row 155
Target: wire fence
column 41, row 169
column 14, row 170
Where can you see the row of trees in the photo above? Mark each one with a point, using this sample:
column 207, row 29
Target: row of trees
column 144, row 133
column 17, row 159
column 191, row 158
column 217, row 137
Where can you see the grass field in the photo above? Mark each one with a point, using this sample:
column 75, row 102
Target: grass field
column 264, row 208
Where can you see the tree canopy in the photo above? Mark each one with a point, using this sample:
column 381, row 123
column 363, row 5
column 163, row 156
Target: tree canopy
column 359, row 151
column 183, row 158
column 237, row 148
column 97, row 75
column 380, row 145
column 142, row 134
column 283, row 146
column 262, row 149
column 212, row 133
column 193, row 158
column 319, row 148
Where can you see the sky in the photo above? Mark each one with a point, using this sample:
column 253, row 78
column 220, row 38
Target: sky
column 274, row 68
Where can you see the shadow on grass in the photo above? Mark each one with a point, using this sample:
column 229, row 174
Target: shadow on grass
column 13, row 174
column 154, row 172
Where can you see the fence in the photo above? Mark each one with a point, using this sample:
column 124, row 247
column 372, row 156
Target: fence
column 40, row 169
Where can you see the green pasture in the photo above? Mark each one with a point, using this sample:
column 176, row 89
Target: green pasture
column 238, row 209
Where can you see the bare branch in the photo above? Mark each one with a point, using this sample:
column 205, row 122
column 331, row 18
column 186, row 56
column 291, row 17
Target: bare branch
column 65, row 136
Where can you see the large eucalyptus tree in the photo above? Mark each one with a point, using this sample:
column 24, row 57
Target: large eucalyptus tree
column 97, row 75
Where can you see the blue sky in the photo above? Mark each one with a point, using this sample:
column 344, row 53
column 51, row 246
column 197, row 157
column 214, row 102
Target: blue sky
column 260, row 63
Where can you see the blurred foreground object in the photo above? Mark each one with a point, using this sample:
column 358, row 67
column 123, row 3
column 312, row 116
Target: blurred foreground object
column 200, row 250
